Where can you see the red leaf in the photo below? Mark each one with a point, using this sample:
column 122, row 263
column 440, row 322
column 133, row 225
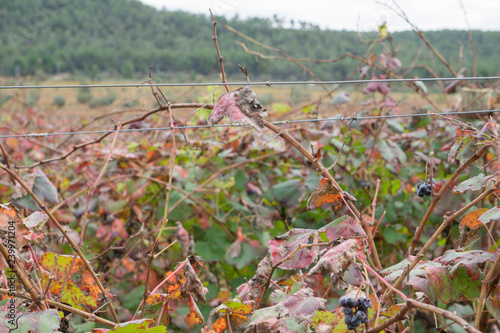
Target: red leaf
column 389, row 62
column 381, row 87
column 282, row 246
column 232, row 105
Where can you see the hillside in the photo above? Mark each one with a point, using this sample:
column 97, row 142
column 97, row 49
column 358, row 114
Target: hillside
column 125, row 37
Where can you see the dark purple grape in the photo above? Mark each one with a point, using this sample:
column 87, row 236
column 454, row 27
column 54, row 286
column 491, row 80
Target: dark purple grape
column 363, row 304
column 361, row 317
column 364, row 183
column 350, row 302
column 353, row 324
column 347, row 311
column 348, row 320
column 342, row 302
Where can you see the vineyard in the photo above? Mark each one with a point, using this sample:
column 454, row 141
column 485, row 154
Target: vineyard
column 368, row 204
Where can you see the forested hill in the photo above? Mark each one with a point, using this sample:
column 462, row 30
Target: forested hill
column 125, row 37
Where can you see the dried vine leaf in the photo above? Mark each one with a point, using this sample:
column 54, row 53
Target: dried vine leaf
column 327, row 196
column 463, row 137
column 336, row 260
column 242, row 108
column 471, row 223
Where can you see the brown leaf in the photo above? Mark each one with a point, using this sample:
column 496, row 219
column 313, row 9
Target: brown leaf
column 193, row 283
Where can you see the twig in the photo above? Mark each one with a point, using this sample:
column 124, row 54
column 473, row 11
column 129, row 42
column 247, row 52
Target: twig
column 151, row 255
column 488, row 286
column 396, row 318
column 6, row 159
column 445, row 313
column 143, row 302
column 399, row 11
column 220, row 59
column 284, row 54
column 102, row 137
column 388, row 285
column 92, row 189
column 346, row 136
column 18, row 269
column 474, row 64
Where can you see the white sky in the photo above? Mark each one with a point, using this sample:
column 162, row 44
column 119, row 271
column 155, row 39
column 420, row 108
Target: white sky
column 363, row 15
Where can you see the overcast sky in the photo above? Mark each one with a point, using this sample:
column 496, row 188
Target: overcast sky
column 363, row 15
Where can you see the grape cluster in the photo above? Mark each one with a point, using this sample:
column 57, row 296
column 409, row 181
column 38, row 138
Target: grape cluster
column 365, row 183
column 356, row 311
column 424, row 189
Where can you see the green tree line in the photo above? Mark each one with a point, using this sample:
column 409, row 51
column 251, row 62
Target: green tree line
column 125, row 37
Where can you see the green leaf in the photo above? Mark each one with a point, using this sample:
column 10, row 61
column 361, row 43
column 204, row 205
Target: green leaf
column 287, row 192
column 246, row 256
column 213, row 246
column 41, row 187
column 395, row 125
column 240, row 180
column 391, row 151
column 281, row 108
column 139, row 326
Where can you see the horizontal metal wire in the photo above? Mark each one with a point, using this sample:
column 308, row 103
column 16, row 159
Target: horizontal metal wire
column 266, row 83
column 43, row 135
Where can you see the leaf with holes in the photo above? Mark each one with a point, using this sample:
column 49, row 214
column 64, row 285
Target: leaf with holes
column 59, row 264
column 336, row 260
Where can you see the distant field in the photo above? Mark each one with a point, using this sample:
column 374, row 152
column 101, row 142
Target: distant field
column 282, row 102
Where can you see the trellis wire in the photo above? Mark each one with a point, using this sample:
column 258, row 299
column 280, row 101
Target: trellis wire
column 266, row 83
column 354, row 118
